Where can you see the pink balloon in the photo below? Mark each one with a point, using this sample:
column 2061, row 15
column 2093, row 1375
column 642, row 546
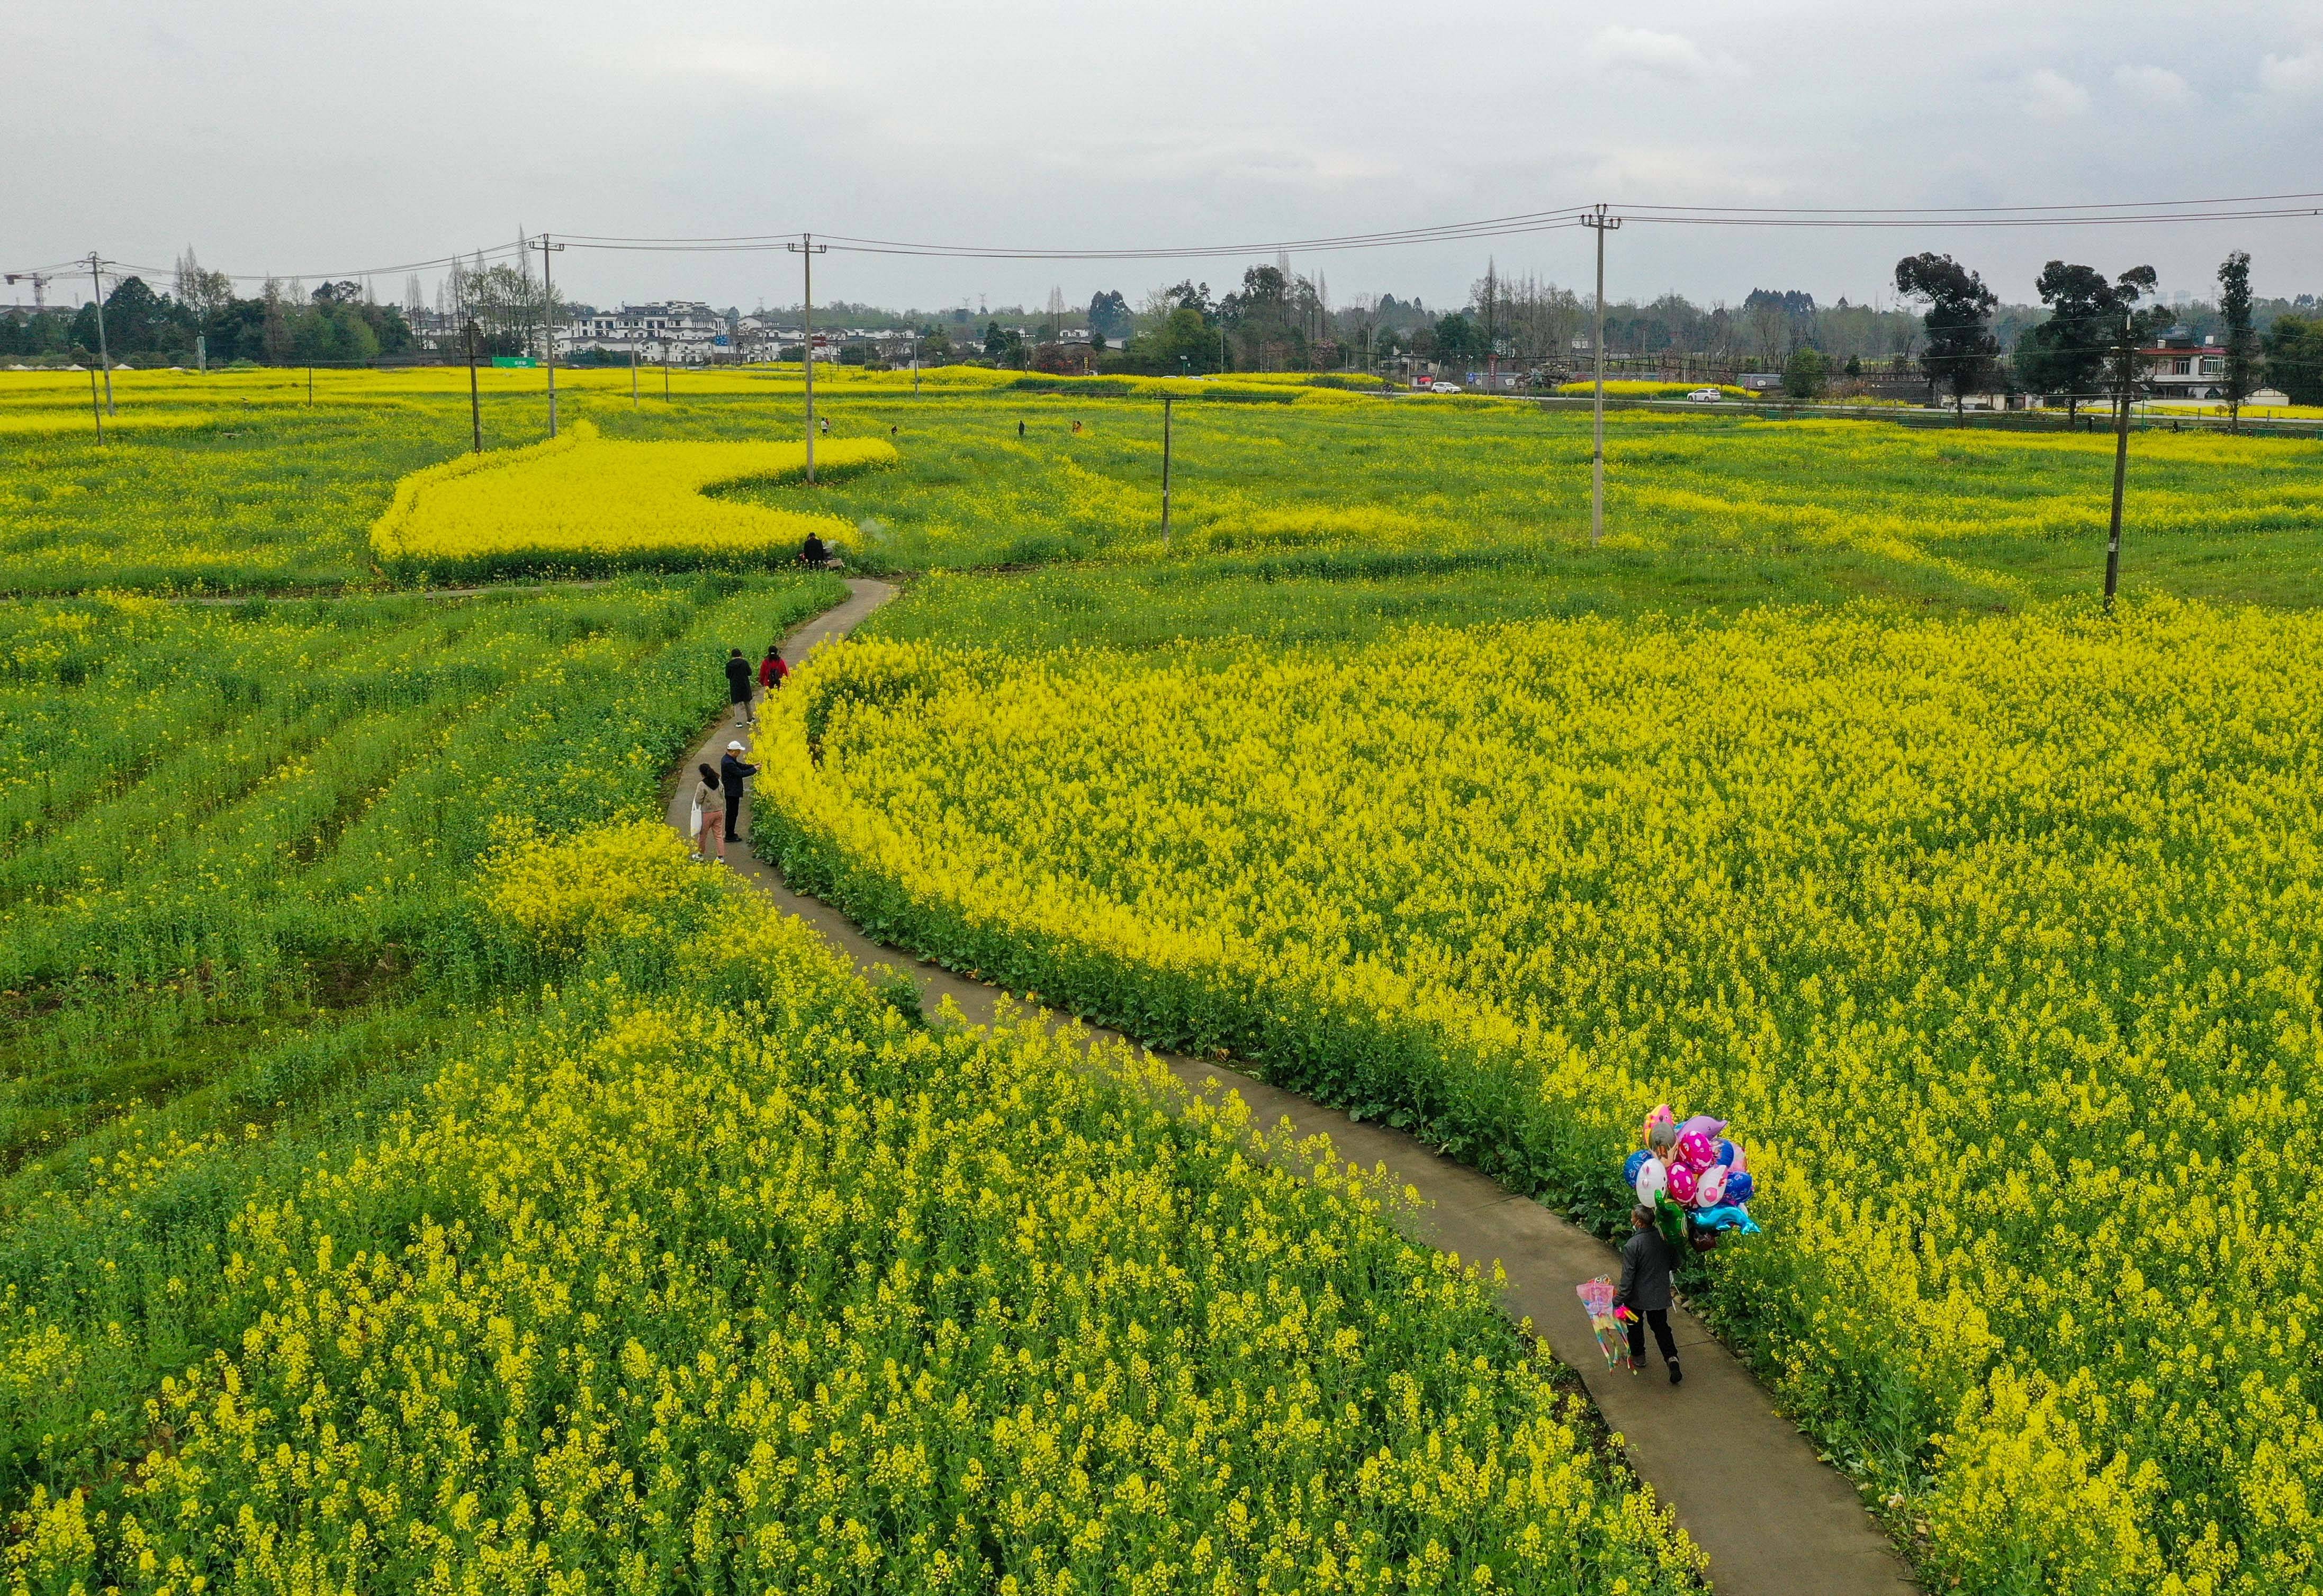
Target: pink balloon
column 1710, row 1189
column 1682, row 1183
column 1695, row 1149
column 1663, row 1115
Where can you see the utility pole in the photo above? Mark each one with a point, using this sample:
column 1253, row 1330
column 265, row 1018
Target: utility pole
column 104, row 357
column 1165, row 470
column 548, row 322
column 311, row 388
column 664, row 371
column 1600, row 224
column 806, row 250
column 633, row 379
column 476, row 403
column 97, row 410
column 2120, row 456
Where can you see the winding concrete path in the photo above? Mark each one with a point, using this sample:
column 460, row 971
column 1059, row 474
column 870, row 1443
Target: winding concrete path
column 1773, row 1518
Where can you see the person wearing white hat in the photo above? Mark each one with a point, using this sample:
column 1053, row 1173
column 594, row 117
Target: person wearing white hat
column 733, row 771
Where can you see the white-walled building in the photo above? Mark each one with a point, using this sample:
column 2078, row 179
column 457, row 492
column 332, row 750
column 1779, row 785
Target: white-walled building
column 685, row 332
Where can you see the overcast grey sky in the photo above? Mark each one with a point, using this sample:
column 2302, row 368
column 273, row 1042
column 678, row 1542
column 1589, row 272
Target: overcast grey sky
column 304, row 138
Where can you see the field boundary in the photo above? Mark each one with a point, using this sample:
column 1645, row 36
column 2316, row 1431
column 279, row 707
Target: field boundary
column 1742, row 1480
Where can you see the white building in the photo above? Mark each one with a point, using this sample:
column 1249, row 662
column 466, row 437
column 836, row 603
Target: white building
column 684, row 332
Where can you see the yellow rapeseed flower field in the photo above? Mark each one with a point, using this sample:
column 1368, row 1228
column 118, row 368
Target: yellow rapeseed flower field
column 736, row 1278
column 1999, row 937
column 579, row 502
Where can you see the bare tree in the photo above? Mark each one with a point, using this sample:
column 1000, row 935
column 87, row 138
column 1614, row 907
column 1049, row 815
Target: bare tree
column 1767, row 323
column 204, row 293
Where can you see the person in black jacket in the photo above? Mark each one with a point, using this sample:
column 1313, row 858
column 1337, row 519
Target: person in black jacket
column 1645, row 1288
column 738, row 686
column 733, row 770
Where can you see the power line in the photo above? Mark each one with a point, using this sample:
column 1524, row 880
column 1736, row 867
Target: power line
column 2123, row 213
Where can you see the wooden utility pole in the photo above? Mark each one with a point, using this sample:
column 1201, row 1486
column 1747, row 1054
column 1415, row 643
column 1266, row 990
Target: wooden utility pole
column 1600, row 224
column 806, row 249
column 104, row 357
column 476, row 403
column 2128, row 355
column 1165, row 470
column 548, row 322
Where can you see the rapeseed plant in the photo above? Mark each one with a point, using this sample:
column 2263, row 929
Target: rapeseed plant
column 1998, row 935
column 576, row 502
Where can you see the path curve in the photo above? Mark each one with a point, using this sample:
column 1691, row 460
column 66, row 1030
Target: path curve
column 1773, row 1518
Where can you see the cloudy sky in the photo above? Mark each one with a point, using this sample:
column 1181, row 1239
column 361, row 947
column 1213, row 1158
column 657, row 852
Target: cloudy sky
column 304, row 138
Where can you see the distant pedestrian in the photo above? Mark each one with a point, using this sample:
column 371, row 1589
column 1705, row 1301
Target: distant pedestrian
column 737, row 685
column 816, row 552
column 1020, row 429
column 772, row 670
column 707, row 819
column 891, row 430
column 1077, row 428
column 826, row 425
column 734, row 770
column 1644, row 1289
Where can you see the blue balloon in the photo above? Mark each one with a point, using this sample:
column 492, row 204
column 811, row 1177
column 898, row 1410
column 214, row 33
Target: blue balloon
column 1726, row 1152
column 1629, row 1171
column 1726, row 1216
column 1739, row 1186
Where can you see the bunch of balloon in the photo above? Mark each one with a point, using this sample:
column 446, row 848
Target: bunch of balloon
column 1695, row 1179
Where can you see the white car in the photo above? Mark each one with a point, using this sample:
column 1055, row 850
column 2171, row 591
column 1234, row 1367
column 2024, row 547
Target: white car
column 1706, row 396
column 1441, row 388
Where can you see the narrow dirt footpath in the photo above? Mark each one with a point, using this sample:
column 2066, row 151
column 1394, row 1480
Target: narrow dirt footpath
column 1774, row 1519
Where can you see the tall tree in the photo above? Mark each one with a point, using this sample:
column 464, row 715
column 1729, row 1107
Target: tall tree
column 1962, row 350
column 2294, row 357
column 1108, row 315
column 2066, row 354
column 205, row 294
column 136, row 318
column 2242, row 344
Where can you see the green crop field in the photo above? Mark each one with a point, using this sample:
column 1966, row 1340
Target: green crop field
column 1728, row 510
column 414, row 1171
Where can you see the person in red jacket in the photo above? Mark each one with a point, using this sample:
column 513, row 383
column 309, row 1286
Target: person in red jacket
column 772, row 670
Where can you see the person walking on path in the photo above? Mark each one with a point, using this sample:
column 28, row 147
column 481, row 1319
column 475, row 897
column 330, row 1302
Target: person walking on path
column 1644, row 1289
column 734, row 770
column 737, row 685
column 709, row 815
column 772, row 670
column 1020, row 429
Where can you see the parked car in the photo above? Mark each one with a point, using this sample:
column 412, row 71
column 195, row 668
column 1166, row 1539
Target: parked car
column 1706, row 396
column 1443, row 388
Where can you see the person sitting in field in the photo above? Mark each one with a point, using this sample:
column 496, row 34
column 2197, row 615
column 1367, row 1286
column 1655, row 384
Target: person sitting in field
column 815, row 552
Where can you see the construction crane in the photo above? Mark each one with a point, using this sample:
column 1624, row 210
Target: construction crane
column 39, row 282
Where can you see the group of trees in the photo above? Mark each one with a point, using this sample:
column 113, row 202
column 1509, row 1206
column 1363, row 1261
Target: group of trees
column 282, row 323
column 2087, row 346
